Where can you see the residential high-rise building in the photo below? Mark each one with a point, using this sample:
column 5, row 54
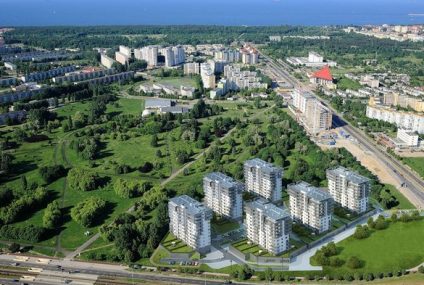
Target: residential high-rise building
column 173, row 55
column 149, row 54
column 190, row 222
column 179, row 55
column 125, row 51
column 311, row 205
column 208, row 77
column 263, row 178
column 268, row 226
column 349, row 189
column 318, row 117
column 223, row 195
column 315, row 116
column 121, row 58
column 191, row 68
column 249, row 55
column 228, row 55
column 106, row 61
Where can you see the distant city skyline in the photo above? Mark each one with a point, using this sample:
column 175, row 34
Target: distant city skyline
column 219, row 12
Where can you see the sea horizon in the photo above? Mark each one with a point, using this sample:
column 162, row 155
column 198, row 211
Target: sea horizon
column 19, row 13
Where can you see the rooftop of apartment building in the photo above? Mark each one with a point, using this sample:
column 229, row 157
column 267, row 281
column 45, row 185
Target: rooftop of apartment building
column 265, row 166
column 310, row 191
column 223, row 179
column 350, row 175
column 268, row 209
column 192, row 206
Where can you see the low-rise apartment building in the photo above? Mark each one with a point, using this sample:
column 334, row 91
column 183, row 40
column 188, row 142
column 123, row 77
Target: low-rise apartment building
column 43, row 75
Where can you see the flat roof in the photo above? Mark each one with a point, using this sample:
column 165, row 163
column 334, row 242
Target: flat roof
column 265, row 166
column 270, row 210
column 350, row 175
column 310, row 191
column 157, row 103
column 193, row 207
column 223, row 179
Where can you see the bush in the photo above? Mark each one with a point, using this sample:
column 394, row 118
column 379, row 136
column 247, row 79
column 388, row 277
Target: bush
column 361, row 232
column 14, row 247
column 28, row 233
column 369, row 277
column 86, row 212
column 24, row 205
column 336, row 262
column 82, row 180
column 421, row 269
column 127, row 189
column 381, row 223
column 353, row 262
column 52, row 173
column 146, row 167
column 52, row 215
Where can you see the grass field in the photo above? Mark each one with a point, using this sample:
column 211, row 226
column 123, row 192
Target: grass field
column 416, row 163
column 395, row 248
column 403, row 201
column 175, row 81
column 224, row 226
column 175, row 245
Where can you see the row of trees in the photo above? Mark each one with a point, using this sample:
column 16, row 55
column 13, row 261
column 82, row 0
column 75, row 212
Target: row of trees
column 23, row 205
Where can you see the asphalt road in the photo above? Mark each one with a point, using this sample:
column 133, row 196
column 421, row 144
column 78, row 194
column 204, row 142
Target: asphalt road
column 413, row 183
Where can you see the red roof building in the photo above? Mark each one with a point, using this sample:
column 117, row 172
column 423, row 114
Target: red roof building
column 324, row 74
column 323, row 77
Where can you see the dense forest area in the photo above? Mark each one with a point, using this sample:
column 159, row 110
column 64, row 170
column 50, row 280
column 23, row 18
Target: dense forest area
column 136, row 36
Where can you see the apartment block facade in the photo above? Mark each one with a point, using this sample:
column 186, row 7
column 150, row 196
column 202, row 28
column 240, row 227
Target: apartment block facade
column 223, row 195
column 349, row 189
column 311, row 205
column 263, row 178
column 190, row 222
column 268, row 226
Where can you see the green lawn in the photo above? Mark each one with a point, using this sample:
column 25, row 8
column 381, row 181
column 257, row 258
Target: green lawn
column 398, row 247
column 403, row 201
column 416, row 163
column 346, row 83
column 224, row 226
column 175, row 245
column 175, row 81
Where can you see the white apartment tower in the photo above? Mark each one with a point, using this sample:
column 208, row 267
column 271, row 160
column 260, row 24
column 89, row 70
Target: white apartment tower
column 208, row 77
column 125, row 50
column 173, row 55
column 349, row 189
column 149, row 54
column 268, row 226
column 223, row 195
column 263, row 178
column 190, row 222
column 106, row 61
column 311, row 205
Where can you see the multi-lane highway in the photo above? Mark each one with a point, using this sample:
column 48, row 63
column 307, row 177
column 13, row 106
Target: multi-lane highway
column 412, row 183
